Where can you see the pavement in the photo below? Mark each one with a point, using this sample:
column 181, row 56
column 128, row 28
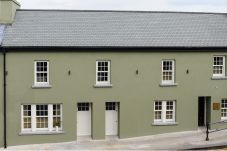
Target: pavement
column 187, row 140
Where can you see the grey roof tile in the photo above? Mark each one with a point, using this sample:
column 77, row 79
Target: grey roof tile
column 116, row 29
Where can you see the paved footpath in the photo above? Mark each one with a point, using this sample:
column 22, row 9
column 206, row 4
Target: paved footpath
column 170, row 141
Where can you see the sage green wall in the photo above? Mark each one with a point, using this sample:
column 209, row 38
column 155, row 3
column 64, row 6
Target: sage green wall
column 7, row 10
column 136, row 93
column 1, row 101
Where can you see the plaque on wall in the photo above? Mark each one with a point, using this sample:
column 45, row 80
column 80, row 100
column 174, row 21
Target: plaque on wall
column 216, row 106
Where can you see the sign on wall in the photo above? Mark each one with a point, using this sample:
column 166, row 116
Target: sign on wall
column 216, row 106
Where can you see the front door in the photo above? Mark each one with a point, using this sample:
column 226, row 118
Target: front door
column 201, row 111
column 111, row 118
column 204, row 110
column 83, row 119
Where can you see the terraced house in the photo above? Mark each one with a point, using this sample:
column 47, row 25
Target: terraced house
column 67, row 74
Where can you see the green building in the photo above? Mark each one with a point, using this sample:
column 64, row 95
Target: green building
column 66, row 74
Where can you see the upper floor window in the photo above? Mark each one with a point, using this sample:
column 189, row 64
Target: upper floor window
column 224, row 109
column 168, row 68
column 164, row 111
column 102, row 72
column 219, row 66
column 41, row 117
column 41, row 73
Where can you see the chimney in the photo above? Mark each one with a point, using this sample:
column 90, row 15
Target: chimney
column 8, row 10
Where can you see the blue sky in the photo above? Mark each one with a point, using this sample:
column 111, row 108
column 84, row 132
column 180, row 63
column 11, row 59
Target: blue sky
column 147, row 5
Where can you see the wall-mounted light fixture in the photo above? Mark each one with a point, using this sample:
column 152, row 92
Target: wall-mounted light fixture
column 187, row 71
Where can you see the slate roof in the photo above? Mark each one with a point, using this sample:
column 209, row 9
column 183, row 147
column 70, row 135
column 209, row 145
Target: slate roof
column 2, row 27
column 60, row 28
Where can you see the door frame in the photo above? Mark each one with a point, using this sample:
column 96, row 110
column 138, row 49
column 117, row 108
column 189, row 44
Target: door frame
column 118, row 118
column 91, row 118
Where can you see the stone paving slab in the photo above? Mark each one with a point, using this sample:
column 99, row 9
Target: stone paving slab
column 168, row 141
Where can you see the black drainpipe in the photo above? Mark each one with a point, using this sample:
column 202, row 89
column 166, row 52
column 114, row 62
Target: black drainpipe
column 4, row 94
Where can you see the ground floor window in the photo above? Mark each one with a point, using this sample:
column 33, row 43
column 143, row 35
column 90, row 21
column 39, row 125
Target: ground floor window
column 164, row 111
column 41, row 117
column 224, row 109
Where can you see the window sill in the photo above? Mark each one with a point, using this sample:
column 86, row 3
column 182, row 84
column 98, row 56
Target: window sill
column 103, row 86
column 164, row 123
column 224, row 120
column 41, row 133
column 41, row 86
column 218, row 78
column 168, row 85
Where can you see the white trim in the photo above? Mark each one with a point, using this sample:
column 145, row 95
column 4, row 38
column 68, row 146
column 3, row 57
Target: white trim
column 162, row 123
column 223, row 118
column 33, row 113
column 103, row 83
column 22, row 117
column 219, row 76
column 163, row 111
column 169, row 82
column 42, row 133
column 61, row 128
column 41, row 84
column 103, row 86
column 50, row 117
column 168, row 85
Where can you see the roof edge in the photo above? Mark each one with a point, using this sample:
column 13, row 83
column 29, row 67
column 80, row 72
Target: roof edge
column 114, row 49
column 122, row 11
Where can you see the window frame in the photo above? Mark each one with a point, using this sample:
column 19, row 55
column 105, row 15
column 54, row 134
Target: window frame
column 223, row 67
column 163, row 112
column 36, row 83
column 168, row 82
column 34, row 122
column 42, row 116
column 22, row 118
column 61, row 117
column 108, row 82
column 223, row 117
column 158, row 120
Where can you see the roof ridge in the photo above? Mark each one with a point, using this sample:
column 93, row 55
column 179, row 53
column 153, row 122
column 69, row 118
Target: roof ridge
column 122, row 11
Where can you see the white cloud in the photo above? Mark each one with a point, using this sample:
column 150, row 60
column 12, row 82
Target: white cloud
column 148, row 5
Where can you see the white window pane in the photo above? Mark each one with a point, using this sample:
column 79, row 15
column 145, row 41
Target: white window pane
column 102, row 73
column 57, row 119
column 219, row 66
column 164, row 111
column 224, row 109
column 167, row 71
column 41, row 72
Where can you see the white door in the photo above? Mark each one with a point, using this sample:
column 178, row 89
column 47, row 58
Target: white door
column 111, row 118
column 83, row 119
